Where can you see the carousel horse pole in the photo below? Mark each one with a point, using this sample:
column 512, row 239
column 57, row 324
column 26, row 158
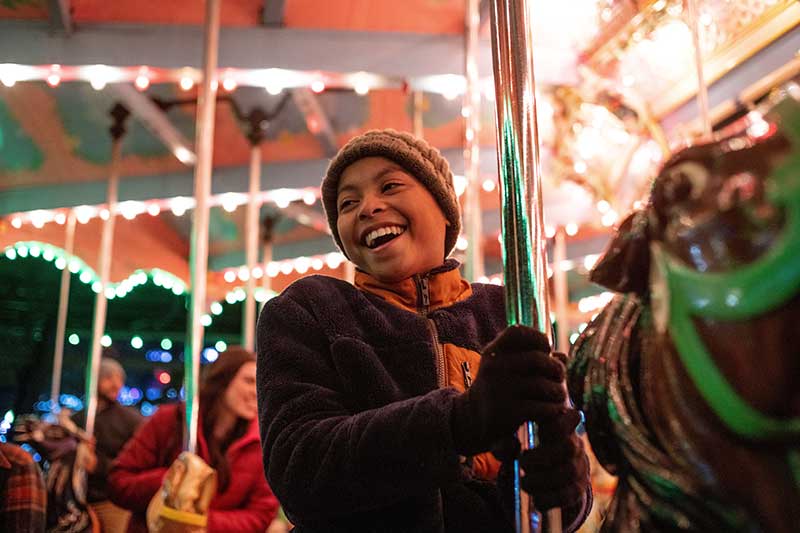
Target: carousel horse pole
column 702, row 88
column 120, row 115
column 198, row 255
column 473, row 266
column 61, row 320
column 524, row 252
column 257, row 125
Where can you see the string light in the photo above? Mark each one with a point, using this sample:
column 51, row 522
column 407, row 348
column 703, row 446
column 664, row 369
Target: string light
column 317, row 86
column 220, row 346
column 136, row 342
column 186, row 83
column 166, row 344
column 74, row 339
column 571, row 229
column 54, row 78
column 105, row 341
column 488, row 185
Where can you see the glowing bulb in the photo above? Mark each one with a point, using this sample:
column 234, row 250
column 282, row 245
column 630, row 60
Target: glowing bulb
column 186, row 83
column 333, row 260
column 184, row 155
column 609, row 218
column 459, row 184
column 164, row 378
column 60, row 263
column 11, row 253
column 216, row 308
column 142, row 82
column 97, row 287
column 274, row 89
column 603, row 206
column 205, row 320
column 461, row 243
column 229, row 276
column 309, row 198
column 317, row 263
column 229, row 84
column 318, row 86
column 273, row 269
column 302, row 264
column 571, row 229
column 136, row 342
column 16, row 222
column 53, row 79
column 166, row 344
column 488, row 185
column 85, row 276
column 153, row 210
column 104, row 214
column 286, row 267
column 244, row 273
column 74, row 339
column 221, row 346
column 105, row 340
column 60, row 218
column 98, row 84
column 579, row 167
column 257, row 272
column 549, row 232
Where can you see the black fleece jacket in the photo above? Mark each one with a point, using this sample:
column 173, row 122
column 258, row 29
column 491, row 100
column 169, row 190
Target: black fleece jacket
column 355, row 433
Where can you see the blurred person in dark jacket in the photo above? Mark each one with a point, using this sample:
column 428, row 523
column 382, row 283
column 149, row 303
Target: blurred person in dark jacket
column 114, row 425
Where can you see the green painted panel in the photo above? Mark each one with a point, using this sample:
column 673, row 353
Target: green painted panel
column 17, row 151
column 85, row 115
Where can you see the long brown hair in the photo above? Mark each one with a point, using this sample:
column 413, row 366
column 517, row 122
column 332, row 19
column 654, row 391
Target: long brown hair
column 216, row 378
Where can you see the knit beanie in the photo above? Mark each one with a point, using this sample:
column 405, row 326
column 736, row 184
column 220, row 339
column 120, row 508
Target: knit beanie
column 416, row 156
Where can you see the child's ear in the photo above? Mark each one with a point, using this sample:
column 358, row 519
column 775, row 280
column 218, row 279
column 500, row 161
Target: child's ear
column 625, row 264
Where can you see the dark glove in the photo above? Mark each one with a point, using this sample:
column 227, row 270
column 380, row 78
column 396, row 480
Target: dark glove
column 557, row 470
column 517, row 381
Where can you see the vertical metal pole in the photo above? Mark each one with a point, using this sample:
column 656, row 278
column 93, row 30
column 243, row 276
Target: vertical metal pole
column 419, row 97
column 198, row 261
column 251, row 248
column 61, row 321
column 524, row 251
column 561, row 289
column 101, row 302
column 473, row 268
column 702, row 88
column 266, row 258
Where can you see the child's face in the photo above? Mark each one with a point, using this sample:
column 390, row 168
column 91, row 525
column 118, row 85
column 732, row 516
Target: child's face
column 375, row 193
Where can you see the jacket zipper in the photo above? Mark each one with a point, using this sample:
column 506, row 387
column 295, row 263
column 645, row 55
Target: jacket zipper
column 423, row 304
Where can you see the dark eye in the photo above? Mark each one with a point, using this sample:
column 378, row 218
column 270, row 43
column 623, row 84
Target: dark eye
column 346, row 204
column 389, row 185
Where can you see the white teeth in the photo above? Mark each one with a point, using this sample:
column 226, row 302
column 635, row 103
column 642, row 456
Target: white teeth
column 374, row 234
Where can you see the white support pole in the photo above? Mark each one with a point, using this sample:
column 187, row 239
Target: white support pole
column 418, row 101
column 101, row 301
column 251, row 249
column 198, row 261
column 473, row 267
column 702, row 88
column 561, row 289
column 61, row 321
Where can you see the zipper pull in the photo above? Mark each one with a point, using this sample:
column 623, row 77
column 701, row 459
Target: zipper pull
column 426, row 296
column 467, row 374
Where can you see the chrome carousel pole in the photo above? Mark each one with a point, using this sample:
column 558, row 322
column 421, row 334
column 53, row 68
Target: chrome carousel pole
column 61, row 321
column 473, row 266
column 198, row 260
column 524, row 251
column 106, row 244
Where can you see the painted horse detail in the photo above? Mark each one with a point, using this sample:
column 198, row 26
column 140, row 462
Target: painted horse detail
column 181, row 506
column 64, row 448
column 690, row 377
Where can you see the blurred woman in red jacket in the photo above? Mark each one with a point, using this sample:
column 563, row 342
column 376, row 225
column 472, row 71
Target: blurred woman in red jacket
column 228, row 441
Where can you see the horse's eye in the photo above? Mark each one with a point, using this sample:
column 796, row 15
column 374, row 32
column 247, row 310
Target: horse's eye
column 687, row 180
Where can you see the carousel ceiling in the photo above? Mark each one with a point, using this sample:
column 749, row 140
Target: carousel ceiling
column 610, row 74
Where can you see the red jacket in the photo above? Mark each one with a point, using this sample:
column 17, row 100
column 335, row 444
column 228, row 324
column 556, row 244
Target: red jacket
column 247, row 504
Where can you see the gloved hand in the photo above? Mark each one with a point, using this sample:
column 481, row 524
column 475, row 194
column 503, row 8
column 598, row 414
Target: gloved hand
column 556, row 472
column 517, row 381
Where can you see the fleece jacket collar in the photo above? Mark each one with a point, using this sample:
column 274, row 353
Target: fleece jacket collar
column 444, row 287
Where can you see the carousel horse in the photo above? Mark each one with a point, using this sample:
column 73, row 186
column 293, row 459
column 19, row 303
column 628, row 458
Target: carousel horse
column 64, row 448
column 689, row 377
column 181, row 506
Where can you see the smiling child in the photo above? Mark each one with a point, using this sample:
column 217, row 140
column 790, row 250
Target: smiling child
column 379, row 402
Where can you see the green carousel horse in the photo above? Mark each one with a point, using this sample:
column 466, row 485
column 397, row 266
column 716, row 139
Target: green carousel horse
column 690, row 377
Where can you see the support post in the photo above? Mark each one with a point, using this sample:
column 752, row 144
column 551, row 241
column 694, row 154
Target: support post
column 198, row 260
